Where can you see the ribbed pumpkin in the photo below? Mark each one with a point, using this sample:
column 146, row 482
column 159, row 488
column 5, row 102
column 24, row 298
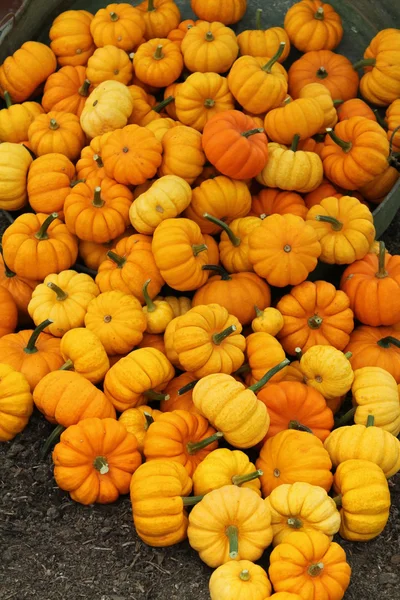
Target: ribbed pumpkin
column 109, row 63
column 313, row 25
column 66, row 90
column 58, row 132
column 304, row 117
column 137, row 421
column 182, row 153
column 83, row 352
column 15, row 119
column 375, row 347
column 180, row 391
column 15, row 161
column 49, row 182
column 118, row 24
column 239, row 578
column 209, row 47
column 263, row 42
column 274, row 201
column 263, row 353
column 71, row 40
column 16, row 404
column 20, row 289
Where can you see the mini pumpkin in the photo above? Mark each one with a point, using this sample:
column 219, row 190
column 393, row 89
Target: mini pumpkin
column 58, row 132
column 15, row 161
column 109, row 63
column 16, row 403
column 274, row 201
column 160, row 17
column 375, row 347
column 263, row 352
column 239, row 578
column 263, row 42
column 107, row 108
column 210, row 10
column 158, row 313
column 83, row 352
column 182, row 153
column 119, row 25
column 9, row 312
column 16, row 118
column 269, row 320
column 327, row 370
column 180, row 391
column 158, row 62
column 393, row 121
column 355, row 107
column 137, row 421
column 313, row 25
column 71, row 40
column 209, row 47
column 66, row 90
column 304, row 117
column 323, row 97
column 50, row 178
column 20, row 289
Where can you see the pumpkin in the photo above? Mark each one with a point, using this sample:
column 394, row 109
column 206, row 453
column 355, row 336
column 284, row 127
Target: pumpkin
column 334, row 71
column 171, row 92
column 301, row 507
column 315, row 313
column 83, row 352
column 237, row 292
column 152, row 340
column 313, row 25
column 224, row 198
column 94, row 254
column 119, row 25
column 180, row 252
column 160, row 126
column 176, row 35
column 109, row 63
column 14, row 165
column 202, row 96
column 20, row 289
column 137, row 421
column 180, row 390
column 16, row 118
column 380, row 85
column 137, row 378
column 269, row 320
column 117, row 320
column 58, row 132
column 98, row 211
column 355, row 152
column 49, row 182
column 90, row 163
column 292, row 404
column 143, row 105
column 355, row 107
column 36, row 245
column 273, row 201
column 375, row 191
column 166, row 198
column 291, row 169
column 229, row 523
column 240, row 578
column 169, row 348
column 16, row 403
column 182, row 437
column 158, row 313
column 233, row 409
column 283, row 249
column 304, row 117
column 365, row 442
column 234, row 242
column 375, row 347
column 66, row 90
column 24, row 71
column 313, row 144
column 364, row 498
column 234, row 145
column 327, row 370
column 209, row 47
column 159, row 491
column 263, row 42
column 95, row 459
column 107, row 108
column 291, row 456
column 180, row 304
column 160, row 17
column 71, row 40
column 310, row 565
column 211, row 10
column 208, row 172
column 128, row 266
column 65, row 397
column 63, row 299
column 183, row 154
column 325, row 190
column 259, row 84
column 323, row 97
column 263, row 352
column 392, row 120
column 375, row 392
column 373, row 286
column 32, row 353
column 158, row 62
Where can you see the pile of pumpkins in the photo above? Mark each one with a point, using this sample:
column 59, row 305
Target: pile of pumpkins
column 178, row 158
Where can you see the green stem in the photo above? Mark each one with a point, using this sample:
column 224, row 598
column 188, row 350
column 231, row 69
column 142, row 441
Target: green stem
column 382, row 122
column 250, row 132
column 61, row 295
column 345, row 146
column 118, row 260
column 348, row 355
column 42, row 233
column 322, row 73
column 319, row 14
column 191, row 500
column 259, row 313
column 345, row 418
column 258, row 18
column 268, row 66
column 336, row 225
column 336, row 102
column 316, row 569
column 158, row 54
column 209, row 36
column 294, row 523
column 298, row 352
column 232, row 534
column 209, row 103
column 84, row 89
column 364, row 62
column 197, row 248
column 148, row 420
column 315, row 322
column 299, row 426
column 98, row 161
column 7, row 270
column 386, row 341
column 151, row 307
column 338, row 500
column 159, row 396
column 244, row 575
column 382, row 273
column 193, row 447
column 295, row 142
column 150, row 5
column 257, row 386
column 235, row 241
column 240, row 479
column 51, row 440
column 7, row 99
column 225, row 276
column 100, row 463
column 76, row 181
column 53, row 125
column 158, row 107
column 98, row 201
column 31, row 345
column 218, row 338
column 113, row 16
column 67, row 366
column 244, row 369
column 370, row 421
column 187, row 388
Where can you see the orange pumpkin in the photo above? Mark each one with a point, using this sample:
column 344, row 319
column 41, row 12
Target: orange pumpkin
column 182, row 153
column 160, row 17
column 231, row 11
column 325, row 190
column 109, row 63
column 180, row 392
column 49, row 182
column 176, row 35
column 15, row 119
column 209, row 47
column 375, row 191
column 263, row 353
column 312, row 144
column 313, row 25
column 94, row 254
column 58, row 132
column 303, row 117
column 90, row 163
column 355, row 108
column 119, row 25
column 66, row 90
column 9, row 312
column 158, row 62
column 274, row 201
column 71, row 40
column 393, row 122
column 263, row 42
column 375, row 347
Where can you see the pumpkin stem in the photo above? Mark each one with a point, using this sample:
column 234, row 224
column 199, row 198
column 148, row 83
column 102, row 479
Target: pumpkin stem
column 243, row 370
column 98, row 161
column 258, row 18
column 197, row 248
column 61, row 295
column 209, row 102
column 152, row 395
column 148, row 420
column 53, row 125
column 191, row 500
column 113, row 16
column 76, row 181
column 119, row 260
column 7, row 99
column 345, row 418
column 259, row 312
column 158, row 107
column 348, row 355
column 235, row 241
column 345, row 146
column 100, row 463
column 382, row 273
column 218, row 338
column 315, row 569
column 337, row 102
column 268, row 66
column 335, row 224
column 67, row 366
column 98, row 202
column 298, row 352
column 319, row 14
column 364, row 62
column 257, row 386
column 244, row 575
column 382, row 122
column 250, row 132
column 193, row 447
column 239, row 479
column 7, row 270
column 42, row 233
column 232, row 534
column 150, row 5
column 31, row 345
column 370, row 421
column 391, row 156
column 299, row 426
column 386, row 341
column 84, row 89
column 51, row 440
column 294, row 523
column 338, row 500
column 322, row 73
column 209, row 36
column 225, row 276
column 158, row 54
column 187, row 388
column 315, row 322
column 151, row 307
column 295, row 142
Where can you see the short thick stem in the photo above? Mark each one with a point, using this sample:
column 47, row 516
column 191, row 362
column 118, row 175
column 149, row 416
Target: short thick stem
column 148, row 420
column 295, row 142
column 240, row 479
column 118, row 260
column 197, row 248
column 316, row 569
column 293, row 424
column 235, row 241
column 151, row 307
column 338, row 500
column 319, row 14
column 345, row 418
column 232, row 534
column 98, row 161
column 100, row 463
column 336, row 102
column 259, row 312
column 244, row 575
column 258, row 18
column 334, row 223
column 218, row 338
column 158, row 54
column 209, row 36
column 322, row 73
column 209, row 103
column 225, row 276
column 67, row 366
column 152, row 395
column 315, row 322
column 268, row 66
column 191, row 500
column 256, row 387
column 250, row 132
column 98, row 201
column 345, row 146
column 387, row 341
column 51, row 440
column 193, row 447
column 7, row 271
column 61, row 295
column 382, row 273
column 187, row 388
column 84, row 89
column 370, row 421
column 294, row 523
column 7, row 99
column 298, row 352
column 113, row 16
column 150, row 5
column 31, row 345
column 53, row 125
column 364, row 62
column 159, row 107
column 42, row 233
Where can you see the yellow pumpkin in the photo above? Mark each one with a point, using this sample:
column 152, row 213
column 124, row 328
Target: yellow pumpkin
column 15, row 161
column 138, row 420
column 84, row 353
column 16, row 403
column 240, row 579
column 375, row 392
column 16, row 118
column 269, row 320
column 327, row 370
column 107, row 108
